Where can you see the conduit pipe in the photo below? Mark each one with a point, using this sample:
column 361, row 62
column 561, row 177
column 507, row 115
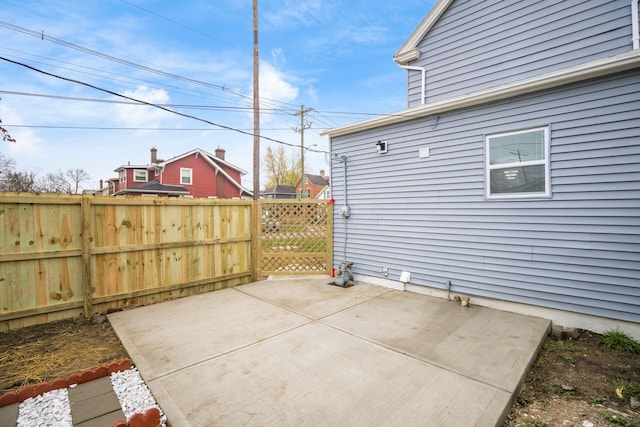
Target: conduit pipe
column 423, row 86
column 634, row 24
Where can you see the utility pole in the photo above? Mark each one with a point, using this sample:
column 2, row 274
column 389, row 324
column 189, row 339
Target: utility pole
column 301, row 129
column 256, row 106
column 256, row 209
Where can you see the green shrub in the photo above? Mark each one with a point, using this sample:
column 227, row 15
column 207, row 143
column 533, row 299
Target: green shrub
column 620, row 341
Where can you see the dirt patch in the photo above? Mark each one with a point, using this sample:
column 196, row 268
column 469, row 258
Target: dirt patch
column 573, row 382
column 29, row 356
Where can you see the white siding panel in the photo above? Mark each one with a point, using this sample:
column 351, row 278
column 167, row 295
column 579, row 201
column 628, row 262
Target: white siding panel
column 578, row 250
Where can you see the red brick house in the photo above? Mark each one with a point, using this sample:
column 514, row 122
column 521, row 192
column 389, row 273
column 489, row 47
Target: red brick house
column 315, row 186
column 196, row 173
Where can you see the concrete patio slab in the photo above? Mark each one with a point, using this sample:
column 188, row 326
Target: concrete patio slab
column 315, row 375
column 491, row 346
column 307, row 296
column 301, row 352
column 165, row 337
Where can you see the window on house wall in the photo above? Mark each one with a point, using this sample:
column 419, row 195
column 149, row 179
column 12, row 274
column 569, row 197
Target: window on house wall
column 517, row 164
column 140, row 175
column 186, row 176
column 123, row 176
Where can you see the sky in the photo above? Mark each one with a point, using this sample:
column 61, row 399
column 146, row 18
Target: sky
column 334, row 57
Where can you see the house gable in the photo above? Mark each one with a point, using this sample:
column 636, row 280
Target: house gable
column 206, row 169
column 469, row 46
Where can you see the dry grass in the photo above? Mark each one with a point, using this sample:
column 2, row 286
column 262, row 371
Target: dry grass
column 42, row 353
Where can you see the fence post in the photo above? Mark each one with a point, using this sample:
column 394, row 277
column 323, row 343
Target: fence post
column 255, row 235
column 86, row 255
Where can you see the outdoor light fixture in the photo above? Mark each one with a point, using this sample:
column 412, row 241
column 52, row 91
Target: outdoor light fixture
column 381, row 146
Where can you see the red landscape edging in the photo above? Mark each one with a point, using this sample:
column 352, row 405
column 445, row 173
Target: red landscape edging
column 19, row 396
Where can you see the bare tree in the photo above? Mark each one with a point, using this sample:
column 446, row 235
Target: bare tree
column 5, row 133
column 28, row 181
column 6, row 164
column 75, row 177
column 19, row 182
column 55, row 183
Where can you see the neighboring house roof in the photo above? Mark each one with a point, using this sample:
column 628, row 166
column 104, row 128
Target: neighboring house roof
column 598, row 68
column 317, row 179
column 280, row 189
column 210, row 158
column 215, row 162
column 123, row 167
column 154, row 187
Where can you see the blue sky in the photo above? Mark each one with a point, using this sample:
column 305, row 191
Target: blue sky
column 334, row 56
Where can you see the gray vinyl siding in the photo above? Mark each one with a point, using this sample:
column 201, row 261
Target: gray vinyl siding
column 578, row 250
column 477, row 45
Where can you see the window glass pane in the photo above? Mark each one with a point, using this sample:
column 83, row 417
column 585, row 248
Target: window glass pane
column 185, row 176
column 521, row 147
column 140, row 175
column 527, row 179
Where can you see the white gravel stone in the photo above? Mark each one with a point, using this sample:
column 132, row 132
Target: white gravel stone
column 133, row 394
column 48, row 409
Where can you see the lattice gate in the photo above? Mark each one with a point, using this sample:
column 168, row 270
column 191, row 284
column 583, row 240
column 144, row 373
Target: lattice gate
column 295, row 237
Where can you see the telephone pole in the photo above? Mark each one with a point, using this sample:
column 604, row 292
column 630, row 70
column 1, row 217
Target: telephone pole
column 256, row 106
column 255, row 211
column 303, row 125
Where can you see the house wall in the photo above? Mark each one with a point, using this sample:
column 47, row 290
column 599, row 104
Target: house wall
column 578, row 250
column 476, row 45
column 203, row 178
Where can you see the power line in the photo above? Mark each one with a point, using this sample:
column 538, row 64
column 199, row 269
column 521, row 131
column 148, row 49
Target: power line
column 42, row 35
column 281, row 111
column 186, row 27
column 134, row 128
column 145, row 102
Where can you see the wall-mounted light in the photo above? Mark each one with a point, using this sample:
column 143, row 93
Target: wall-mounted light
column 381, row 146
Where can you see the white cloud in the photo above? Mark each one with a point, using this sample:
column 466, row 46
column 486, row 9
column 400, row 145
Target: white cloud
column 275, row 88
column 28, row 145
column 143, row 116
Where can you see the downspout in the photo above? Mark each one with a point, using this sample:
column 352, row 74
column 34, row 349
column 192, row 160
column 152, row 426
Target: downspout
column 423, row 71
column 344, row 211
column 346, row 204
column 634, row 25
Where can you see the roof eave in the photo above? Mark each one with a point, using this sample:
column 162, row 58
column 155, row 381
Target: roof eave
column 408, row 50
column 602, row 67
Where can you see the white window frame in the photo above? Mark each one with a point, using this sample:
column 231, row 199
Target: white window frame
column 123, row 176
column 188, row 171
column 489, row 167
column 135, row 173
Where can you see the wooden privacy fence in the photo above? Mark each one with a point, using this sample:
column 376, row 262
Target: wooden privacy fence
column 66, row 255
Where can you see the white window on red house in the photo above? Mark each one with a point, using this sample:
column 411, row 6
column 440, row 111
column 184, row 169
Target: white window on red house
column 123, row 176
column 186, row 176
column 140, row 175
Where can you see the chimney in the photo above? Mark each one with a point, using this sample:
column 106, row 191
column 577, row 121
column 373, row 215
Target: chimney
column 154, row 155
column 220, row 153
column 322, row 173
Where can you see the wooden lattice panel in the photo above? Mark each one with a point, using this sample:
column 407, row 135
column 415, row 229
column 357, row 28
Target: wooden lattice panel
column 295, row 237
